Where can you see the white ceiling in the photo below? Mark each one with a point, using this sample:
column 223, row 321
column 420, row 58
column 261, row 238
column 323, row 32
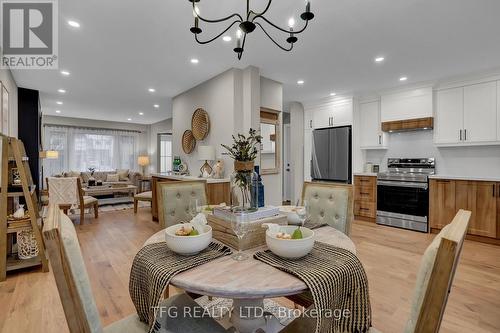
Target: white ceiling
column 126, row 46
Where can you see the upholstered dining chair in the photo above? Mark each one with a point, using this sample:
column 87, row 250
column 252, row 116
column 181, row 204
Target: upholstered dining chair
column 75, row 292
column 174, row 199
column 330, row 203
column 67, row 192
column 434, row 281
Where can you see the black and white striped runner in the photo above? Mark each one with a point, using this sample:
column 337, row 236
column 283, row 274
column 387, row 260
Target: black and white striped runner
column 337, row 281
column 153, row 268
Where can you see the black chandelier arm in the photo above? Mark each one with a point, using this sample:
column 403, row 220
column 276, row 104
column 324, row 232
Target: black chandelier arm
column 218, row 20
column 274, row 41
column 214, row 38
column 261, row 13
column 281, row 29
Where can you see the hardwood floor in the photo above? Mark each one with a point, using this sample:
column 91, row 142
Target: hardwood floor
column 29, row 301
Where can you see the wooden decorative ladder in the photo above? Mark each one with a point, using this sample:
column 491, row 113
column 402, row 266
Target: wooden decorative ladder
column 14, row 156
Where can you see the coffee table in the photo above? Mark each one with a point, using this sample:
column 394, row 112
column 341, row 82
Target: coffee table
column 96, row 191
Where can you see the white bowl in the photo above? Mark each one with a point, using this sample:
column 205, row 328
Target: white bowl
column 187, row 245
column 291, row 248
column 291, row 214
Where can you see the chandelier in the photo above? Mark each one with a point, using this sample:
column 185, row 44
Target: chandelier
column 248, row 23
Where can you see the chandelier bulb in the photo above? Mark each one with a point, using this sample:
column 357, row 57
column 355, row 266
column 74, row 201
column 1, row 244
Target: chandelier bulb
column 239, row 33
column 291, row 22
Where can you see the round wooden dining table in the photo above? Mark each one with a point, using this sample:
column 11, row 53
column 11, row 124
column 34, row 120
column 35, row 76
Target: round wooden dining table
column 248, row 282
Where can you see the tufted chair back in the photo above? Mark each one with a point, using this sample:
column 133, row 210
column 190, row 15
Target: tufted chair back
column 174, row 198
column 330, row 203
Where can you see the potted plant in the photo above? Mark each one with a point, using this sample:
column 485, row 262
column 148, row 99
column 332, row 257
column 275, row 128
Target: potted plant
column 244, row 151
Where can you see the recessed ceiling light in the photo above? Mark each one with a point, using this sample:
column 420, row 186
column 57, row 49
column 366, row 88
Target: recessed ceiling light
column 379, row 59
column 403, row 78
column 62, row 91
column 141, row 113
column 194, row 61
column 74, row 24
column 156, row 106
column 59, row 103
column 129, row 119
column 333, row 94
column 227, row 38
column 58, row 111
column 301, row 82
column 151, row 90
column 65, row 73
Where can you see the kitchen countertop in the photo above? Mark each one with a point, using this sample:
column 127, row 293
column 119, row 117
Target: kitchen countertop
column 487, row 179
column 179, row 177
column 366, row 174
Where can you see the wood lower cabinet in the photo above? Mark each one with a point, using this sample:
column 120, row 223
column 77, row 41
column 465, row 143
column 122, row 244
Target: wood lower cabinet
column 365, row 197
column 482, row 198
column 442, row 203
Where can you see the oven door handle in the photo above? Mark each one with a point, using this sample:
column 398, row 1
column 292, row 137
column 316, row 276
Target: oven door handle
column 424, row 186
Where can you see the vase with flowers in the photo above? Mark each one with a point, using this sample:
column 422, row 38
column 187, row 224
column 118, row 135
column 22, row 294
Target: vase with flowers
column 243, row 151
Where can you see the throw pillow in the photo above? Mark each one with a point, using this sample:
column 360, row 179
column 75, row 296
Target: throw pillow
column 72, row 174
column 113, row 177
column 122, row 174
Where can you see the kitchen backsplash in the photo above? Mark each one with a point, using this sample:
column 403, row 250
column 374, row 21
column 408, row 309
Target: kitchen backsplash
column 479, row 161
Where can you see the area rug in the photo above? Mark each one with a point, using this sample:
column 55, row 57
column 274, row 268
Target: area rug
column 112, row 207
column 219, row 309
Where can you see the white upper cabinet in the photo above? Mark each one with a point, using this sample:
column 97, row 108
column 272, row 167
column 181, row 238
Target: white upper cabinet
column 449, row 120
column 468, row 115
column 411, row 104
column 480, row 112
column 371, row 136
column 330, row 113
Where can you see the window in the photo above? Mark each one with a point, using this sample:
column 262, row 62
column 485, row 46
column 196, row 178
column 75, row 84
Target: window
column 165, row 152
column 81, row 148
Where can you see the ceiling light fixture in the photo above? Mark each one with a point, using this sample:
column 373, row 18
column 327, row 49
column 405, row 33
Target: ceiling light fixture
column 156, row 106
column 129, row 119
column 65, row 73
column 194, row 61
column 74, row 24
column 227, row 38
column 300, row 82
column 62, row 91
column 58, row 111
column 59, row 103
column 141, row 113
column 379, row 59
column 151, row 90
column 333, row 94
column 248, row 23
column 403, row 78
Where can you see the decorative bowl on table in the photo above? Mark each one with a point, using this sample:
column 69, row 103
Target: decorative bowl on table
column 290, row 248
column 187, row 245
column 291, row 213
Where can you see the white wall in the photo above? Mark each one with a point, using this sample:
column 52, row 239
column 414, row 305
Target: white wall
column 271, row 96
column 161, row 127
column 455, row 161
column 217, row 97
column 296, row 149
column 9, row 82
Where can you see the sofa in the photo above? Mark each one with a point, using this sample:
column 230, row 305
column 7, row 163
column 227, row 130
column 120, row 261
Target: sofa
column 124, row 176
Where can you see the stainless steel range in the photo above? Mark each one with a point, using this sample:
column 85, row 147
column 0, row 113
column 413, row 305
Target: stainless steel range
column 403, row 193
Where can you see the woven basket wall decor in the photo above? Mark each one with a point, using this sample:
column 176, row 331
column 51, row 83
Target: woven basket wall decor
column 188, row 142
column 200, row 124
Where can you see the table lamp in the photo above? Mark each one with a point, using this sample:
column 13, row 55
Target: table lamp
column 49, row 155
column 143, row 161
column 206, row 153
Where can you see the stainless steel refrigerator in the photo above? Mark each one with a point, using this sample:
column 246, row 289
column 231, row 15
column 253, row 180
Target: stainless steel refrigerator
column 331, row 154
